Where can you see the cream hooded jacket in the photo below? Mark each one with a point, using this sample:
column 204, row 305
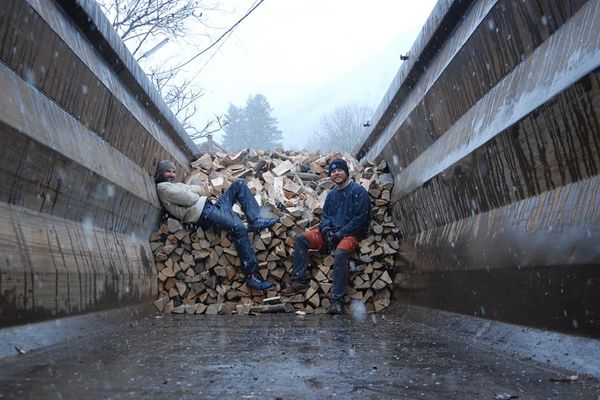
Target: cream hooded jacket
column 184, row 202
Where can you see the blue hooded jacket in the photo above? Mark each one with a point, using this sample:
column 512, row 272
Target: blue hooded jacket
column 347, row 211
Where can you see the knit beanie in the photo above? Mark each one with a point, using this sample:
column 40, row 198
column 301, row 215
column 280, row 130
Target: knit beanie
column 162, row 166
column 338, row 163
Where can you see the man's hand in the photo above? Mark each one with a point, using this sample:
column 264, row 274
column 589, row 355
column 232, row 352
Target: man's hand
column 331, row 239
column 207, row 187
column 335, row 240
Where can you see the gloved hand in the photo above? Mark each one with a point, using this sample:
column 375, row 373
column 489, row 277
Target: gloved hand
column 325, row 234
column 335, row 240
column 330, row 239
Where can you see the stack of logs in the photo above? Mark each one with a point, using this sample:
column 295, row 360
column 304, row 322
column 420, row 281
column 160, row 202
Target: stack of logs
column 199, row 271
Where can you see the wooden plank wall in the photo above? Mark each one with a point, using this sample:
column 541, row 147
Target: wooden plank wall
column 77, row 199
column 495, row 148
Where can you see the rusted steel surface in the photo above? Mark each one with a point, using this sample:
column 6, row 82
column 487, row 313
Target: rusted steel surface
column 495, row 152
column 77, row 199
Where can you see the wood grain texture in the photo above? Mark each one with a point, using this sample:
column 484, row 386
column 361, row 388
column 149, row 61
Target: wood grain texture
column 74, row 77
column 495, row 154
column 77, row 196
column 492, row 38
column 54, row 267
column 539, row 153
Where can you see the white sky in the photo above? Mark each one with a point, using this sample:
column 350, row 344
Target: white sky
column 306, row 56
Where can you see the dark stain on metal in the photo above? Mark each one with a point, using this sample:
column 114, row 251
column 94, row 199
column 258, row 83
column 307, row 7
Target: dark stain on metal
column 145, row 261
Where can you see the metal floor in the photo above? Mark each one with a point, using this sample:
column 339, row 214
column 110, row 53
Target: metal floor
column 283, row 356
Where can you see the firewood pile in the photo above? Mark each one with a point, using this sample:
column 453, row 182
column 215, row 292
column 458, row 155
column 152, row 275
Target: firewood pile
column 199, row 271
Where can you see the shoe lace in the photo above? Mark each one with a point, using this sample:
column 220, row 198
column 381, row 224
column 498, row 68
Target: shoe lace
column 255, row 279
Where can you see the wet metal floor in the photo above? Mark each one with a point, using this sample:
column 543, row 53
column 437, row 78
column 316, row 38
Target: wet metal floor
column 280, row 357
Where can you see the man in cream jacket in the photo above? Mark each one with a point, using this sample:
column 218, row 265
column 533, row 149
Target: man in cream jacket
column 190, row 204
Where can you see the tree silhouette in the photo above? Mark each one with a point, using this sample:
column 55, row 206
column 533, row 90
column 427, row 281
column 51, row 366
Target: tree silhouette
column 252, row 126
column 341, row 130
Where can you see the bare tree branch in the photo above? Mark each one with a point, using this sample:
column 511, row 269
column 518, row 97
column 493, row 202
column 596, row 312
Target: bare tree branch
column 141, row 24
column 137, row 21
column 213, row 126
column 341, row 130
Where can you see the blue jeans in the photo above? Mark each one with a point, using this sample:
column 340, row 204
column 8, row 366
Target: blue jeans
column 221, row 216
column 314, row 240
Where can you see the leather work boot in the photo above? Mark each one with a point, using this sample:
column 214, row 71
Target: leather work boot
column 260, row 223
column 294, row 288
column 335, row 308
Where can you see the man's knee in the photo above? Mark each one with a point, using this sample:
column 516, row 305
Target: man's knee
column 238, row 229
column 237, row 185
column 348, row 243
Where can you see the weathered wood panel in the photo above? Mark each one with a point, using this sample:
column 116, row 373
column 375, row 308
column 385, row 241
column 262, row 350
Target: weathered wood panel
column 494, row 144
column 537, row 154
column 77, row 199
column 78, row 80
column 504, row 37
column 53, row 267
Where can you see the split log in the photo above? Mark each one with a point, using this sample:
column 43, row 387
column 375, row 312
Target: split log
column 199, row 271
column 271, row 308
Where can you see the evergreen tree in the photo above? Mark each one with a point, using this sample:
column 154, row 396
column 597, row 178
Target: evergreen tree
column 233, row 130
column 252, row 127
column 262, row 127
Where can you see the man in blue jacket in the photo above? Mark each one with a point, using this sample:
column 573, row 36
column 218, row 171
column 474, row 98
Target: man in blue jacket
column 346, row 217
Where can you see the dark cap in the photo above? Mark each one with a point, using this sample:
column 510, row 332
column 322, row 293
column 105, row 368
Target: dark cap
column 338, row 163
column 162, row 166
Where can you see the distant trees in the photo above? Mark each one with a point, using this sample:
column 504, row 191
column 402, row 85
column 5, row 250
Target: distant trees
column 252, row 126
column 233, row 131
column 341, row 130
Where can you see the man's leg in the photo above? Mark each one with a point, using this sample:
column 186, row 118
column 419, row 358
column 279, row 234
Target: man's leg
column 308, row 240
column 221, row 216
column 340, row 267
column 238, row 191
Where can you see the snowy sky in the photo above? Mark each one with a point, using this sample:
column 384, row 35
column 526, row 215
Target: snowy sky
column 306, row 56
